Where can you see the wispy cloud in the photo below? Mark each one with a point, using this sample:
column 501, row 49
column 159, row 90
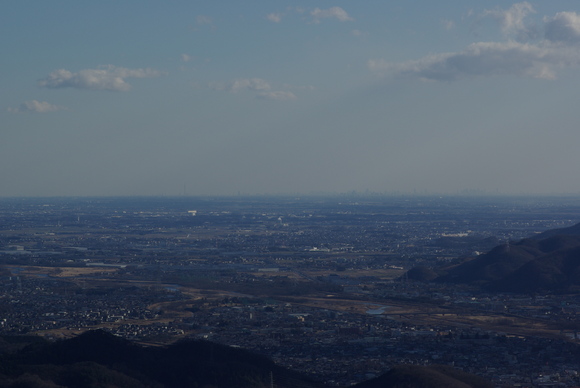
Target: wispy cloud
column 330, row 13
column 277, row 95
column 315, row 15
column 240, row 84
column 258, row 86
column 535, row 56
column 563, row 27
column 103, row 78
column 512, row 20
column 448, row 24
column 35, row 106
column 274, row 17
column 203, row 20
column 481, row 59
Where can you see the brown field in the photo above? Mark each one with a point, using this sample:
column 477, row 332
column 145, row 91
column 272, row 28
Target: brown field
column 62, row 272
column 383, row 274
column 415, row 313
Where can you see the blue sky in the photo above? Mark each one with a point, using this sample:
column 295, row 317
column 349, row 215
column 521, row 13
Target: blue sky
column 262, row 97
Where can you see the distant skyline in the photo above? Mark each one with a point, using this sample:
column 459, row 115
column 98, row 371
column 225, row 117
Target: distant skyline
column 117, row 98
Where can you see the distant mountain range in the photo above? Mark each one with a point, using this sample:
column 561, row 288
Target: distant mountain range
column 547, row 262
column 100, row 359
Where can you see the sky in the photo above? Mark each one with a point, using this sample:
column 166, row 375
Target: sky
column 196, row 97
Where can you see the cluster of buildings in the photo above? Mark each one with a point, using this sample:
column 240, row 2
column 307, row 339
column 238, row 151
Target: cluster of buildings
column 342, row 348
column 288, row 250
column 42, row 305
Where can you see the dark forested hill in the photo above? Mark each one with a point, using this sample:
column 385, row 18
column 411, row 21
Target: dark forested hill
column 547, row 262
column 494, row 265
column 573, row 230
column 436, row 376
column 99, row 359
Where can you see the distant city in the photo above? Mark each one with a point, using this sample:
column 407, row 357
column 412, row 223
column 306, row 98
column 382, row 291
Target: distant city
column 318, row 284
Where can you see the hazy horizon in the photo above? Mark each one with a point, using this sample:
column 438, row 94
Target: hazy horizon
column 306, row 196
column 147, row 98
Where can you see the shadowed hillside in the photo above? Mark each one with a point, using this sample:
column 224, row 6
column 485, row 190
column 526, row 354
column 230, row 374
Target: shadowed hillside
column 549, row 261
column 99, row 359
column 558, row 271
column 573, row 230
column 414, row 376
column 499, row 262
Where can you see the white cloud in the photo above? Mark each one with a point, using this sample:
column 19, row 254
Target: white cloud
column 485, row 59
column 299, row 87
column 527, row 57
column 512, row 20
column 240, row 84
column 277, row 95
column 202, row 20
column 448, row 24
column 36, row 107
column 333, row 12
column 563, row 27
column 185, row 58
column 274, row 17
column 316, row 15
column 299, row 10
column 104, row 78
column 257, row 86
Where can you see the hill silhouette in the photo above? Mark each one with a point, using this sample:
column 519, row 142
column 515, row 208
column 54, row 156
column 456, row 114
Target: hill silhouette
column 422, row 273
column 435, row 376
column 494, row 265
column 549, row 261
column 573, row 230
column 558, row 271
column 100, row 359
